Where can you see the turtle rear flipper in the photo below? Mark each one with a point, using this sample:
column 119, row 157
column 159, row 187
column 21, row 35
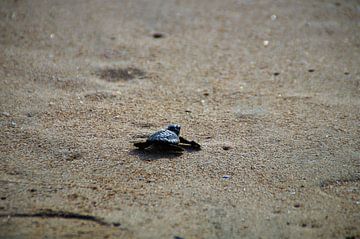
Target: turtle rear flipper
column 142, row 145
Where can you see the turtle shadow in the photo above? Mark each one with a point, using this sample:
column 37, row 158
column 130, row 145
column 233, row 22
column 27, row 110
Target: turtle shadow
column 189, row 148
column 154, row 154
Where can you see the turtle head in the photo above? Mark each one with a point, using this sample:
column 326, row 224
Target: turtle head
column 174, row 128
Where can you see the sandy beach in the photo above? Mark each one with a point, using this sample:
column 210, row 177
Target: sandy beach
column 270, row 89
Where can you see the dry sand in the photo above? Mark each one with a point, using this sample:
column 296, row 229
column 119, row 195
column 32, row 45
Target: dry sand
column 275, row 83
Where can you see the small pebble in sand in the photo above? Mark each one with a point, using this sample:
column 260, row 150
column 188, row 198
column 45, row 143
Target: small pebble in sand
column 158, row 35
column 273, row 17
column 226, row 147
column 12, row 124
column 177, row 237
column 226, row 176
column 266, row 43
column 7, row 114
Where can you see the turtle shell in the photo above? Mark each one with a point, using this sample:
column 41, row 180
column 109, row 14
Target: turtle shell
column 164, row 137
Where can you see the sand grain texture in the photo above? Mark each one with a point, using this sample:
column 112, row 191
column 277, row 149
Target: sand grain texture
column 274, row 101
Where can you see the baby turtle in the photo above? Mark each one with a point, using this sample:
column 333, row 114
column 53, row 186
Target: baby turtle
column 168, row 139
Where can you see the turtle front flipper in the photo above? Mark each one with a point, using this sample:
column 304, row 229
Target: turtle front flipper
column 193, row 144
column 142, row 145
